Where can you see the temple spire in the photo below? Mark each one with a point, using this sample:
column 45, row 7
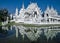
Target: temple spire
column 52, row 8
column 16, row 11
column 48, row 8
column 23, row 5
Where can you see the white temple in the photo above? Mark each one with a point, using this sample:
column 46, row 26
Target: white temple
column 34, row 15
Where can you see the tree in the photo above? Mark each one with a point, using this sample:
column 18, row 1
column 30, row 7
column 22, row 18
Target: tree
column 3, row 14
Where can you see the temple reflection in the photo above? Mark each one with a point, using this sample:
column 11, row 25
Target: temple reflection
column 31, row 33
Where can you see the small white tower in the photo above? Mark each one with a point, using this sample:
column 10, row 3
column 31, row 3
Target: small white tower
column 22, row 11
column 11, row 16
column 16, row 13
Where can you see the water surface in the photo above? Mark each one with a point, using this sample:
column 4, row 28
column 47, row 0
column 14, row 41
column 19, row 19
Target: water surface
column 21, row 34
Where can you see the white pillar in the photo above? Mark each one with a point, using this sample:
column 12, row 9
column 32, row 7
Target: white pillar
column 11, row 27
column 49, row 20
column 16, row 32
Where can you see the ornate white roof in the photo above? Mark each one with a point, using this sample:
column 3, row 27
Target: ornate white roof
column 51, row 11
column 33, row 7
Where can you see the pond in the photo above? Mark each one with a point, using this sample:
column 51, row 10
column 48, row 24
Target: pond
column 21, row 34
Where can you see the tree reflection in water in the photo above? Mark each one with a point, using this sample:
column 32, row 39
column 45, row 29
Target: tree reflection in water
column 3, row 31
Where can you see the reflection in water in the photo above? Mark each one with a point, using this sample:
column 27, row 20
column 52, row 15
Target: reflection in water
column 3, row 32
column 32, row 33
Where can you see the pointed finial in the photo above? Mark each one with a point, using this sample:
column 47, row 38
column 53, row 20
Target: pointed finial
column 52, row 8
column 30, row 2
column 16, row 11
column 23, row 4
column 48, row 8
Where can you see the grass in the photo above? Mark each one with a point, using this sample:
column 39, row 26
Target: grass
column 31, row 25
column 11, row 23
column 36, row 25
column 0, row 23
